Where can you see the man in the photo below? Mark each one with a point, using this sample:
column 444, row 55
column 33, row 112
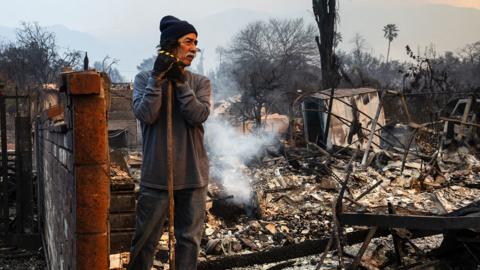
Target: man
column 191, row 108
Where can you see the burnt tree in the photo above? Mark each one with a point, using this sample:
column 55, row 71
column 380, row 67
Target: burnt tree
column 325, row 12
column 268, row 60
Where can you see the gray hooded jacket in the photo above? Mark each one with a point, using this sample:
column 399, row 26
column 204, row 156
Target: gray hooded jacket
column 190, row 109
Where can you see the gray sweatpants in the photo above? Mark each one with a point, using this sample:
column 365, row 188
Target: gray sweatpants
column 151, row 212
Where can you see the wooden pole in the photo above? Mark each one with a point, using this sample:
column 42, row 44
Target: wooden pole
column 171, row 206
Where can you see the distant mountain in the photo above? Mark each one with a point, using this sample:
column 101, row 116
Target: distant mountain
column 76, row 40
column 68, row 39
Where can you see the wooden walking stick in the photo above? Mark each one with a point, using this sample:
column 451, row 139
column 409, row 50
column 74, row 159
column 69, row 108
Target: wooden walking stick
column 171, row 206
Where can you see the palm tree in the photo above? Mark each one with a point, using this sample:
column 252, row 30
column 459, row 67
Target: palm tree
column 390, row 32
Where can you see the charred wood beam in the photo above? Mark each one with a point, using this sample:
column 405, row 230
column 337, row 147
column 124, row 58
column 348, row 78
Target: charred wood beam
column 466, row 210
column 281, row 266
column 472, row 253
column 438, row 223
column 366, row 192
column 325, row 251
column 459, row 122
column 363, row 248
column 307, row 248
column 397, row 243
column 423, row 127
column 407, row 149
column 352, row 201
column 422, row 265
column 280, row 189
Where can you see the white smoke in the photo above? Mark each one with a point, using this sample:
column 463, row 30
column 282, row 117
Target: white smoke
column 229, row 150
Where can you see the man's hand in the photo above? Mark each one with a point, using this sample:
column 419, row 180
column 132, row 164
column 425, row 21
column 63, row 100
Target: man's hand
column 163, row 63
column 177, row 73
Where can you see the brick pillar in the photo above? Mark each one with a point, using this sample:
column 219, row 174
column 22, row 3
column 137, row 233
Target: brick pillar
column 91, row 168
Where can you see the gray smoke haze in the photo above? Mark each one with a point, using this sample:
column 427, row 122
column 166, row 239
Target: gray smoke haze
column 229, row 150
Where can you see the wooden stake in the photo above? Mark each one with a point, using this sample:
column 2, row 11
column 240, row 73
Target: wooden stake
column 171, row 206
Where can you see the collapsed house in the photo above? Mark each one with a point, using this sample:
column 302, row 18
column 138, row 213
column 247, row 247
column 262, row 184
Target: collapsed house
column 351, row 117
column 316, row 209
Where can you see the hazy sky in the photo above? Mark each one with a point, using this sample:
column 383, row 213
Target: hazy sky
column 128, row 29
column 101, row 17
column 127, row 15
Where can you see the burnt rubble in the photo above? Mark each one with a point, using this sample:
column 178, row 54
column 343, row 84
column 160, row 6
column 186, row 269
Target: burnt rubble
column 295, row 200
column 411, row 207
column 289, row 220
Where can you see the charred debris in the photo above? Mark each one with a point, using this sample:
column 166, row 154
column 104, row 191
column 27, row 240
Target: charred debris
column 316, row 203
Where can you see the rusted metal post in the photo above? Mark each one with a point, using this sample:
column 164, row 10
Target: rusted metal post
column 396, row 240
column 372, row 130
column 171, row 203
column 91, row 168
column 3, row 130
column 23, row 174
column 329, row 116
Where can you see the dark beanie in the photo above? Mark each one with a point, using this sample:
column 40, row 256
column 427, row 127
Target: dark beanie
column 173, row 28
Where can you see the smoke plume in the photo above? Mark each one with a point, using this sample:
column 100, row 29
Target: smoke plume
column 229, row 150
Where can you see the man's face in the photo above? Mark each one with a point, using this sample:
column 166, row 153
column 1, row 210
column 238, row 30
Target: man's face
column 187, row 49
